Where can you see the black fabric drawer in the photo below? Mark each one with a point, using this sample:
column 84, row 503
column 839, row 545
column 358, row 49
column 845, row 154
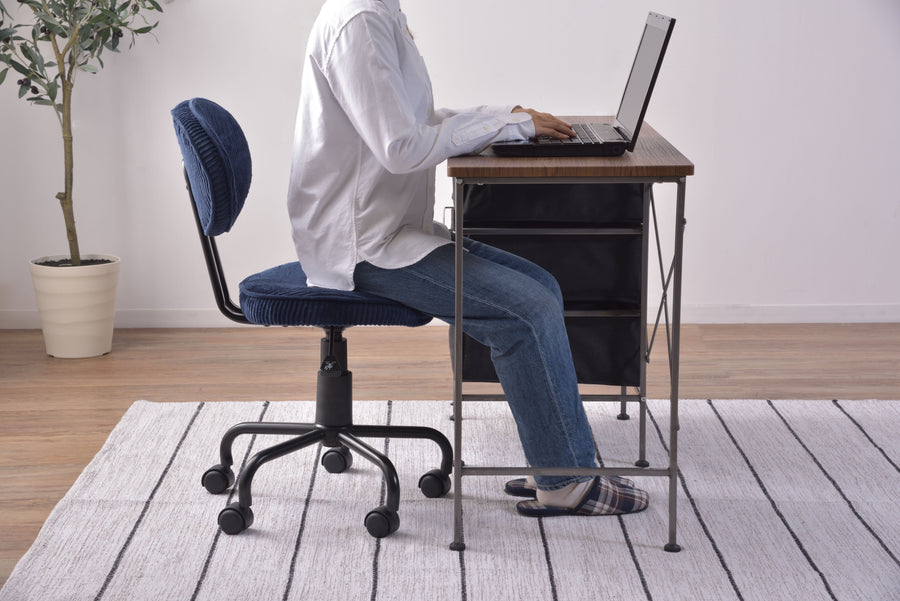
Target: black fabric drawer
column 593, row 271
column 605, row 351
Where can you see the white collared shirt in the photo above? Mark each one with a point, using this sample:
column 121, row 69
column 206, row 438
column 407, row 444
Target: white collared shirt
column 367, row 142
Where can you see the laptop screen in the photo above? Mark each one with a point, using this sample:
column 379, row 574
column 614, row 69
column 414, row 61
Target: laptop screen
column 643, row 75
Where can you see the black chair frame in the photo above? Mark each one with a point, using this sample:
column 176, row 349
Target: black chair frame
column 333, row 426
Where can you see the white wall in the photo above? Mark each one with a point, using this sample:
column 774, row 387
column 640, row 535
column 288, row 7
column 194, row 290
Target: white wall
column 788, row 110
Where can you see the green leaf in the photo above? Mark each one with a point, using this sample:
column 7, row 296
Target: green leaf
column 41, row 101
column 20, row 67
column 47, row 18
column 28, row 3
column 89, row 68
column 108, row 15
column 26, row 52
column 90, row 46
column 33, row 55
column 3, row 75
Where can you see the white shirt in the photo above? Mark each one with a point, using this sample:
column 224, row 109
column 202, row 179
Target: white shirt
column 367, row 141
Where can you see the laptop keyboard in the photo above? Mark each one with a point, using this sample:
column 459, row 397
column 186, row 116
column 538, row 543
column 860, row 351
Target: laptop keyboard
column 584, row 135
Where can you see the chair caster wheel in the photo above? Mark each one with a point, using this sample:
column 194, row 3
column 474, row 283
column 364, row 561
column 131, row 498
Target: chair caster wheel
column 234, row 519
column 434, row 484
column 382, row 521
column 337, row 460
column 218, row 479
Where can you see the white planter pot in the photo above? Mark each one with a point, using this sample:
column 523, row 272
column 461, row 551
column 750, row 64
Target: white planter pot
column 77, row 305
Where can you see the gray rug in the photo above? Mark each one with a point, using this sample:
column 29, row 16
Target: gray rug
column 778, row 500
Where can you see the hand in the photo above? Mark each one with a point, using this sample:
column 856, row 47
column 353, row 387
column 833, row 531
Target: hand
column 546, row 124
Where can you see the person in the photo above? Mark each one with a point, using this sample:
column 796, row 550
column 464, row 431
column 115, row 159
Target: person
column 361, row 204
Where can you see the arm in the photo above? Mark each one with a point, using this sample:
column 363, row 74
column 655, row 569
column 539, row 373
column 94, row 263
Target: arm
column 545, row 124
column 362, row 67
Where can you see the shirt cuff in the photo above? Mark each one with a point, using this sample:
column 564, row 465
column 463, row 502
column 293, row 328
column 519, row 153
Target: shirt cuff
column 520, row 126
column 519, row 130
column 506, row 109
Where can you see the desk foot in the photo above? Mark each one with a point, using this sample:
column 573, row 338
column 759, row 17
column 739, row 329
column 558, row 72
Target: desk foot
column 642, row 463
column 623, row 407
column 454, row 546
column 672, row 548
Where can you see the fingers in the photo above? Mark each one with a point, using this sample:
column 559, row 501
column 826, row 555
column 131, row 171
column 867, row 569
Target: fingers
column 546, row 124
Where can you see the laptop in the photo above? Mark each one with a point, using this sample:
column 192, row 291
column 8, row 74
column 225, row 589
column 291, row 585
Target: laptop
column 603, row 139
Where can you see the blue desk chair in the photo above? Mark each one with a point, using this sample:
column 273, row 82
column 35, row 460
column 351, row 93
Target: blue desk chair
column 217, row 168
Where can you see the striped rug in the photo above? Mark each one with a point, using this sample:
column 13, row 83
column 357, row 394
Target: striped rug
column 777, row 500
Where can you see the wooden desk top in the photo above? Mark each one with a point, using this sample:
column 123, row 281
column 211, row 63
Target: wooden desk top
column 653, row 156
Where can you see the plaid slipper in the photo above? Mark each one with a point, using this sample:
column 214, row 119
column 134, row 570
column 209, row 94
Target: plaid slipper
column 520, row 487
column 604, row 498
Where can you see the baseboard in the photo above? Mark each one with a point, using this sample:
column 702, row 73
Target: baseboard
column 131, row 318
column 729, row 314
column 701, row 314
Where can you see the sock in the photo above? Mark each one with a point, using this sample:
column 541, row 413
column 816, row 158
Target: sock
column 530, row 483
column 567, row 496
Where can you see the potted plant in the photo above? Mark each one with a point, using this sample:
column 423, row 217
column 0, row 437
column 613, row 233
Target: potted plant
column 43, row 54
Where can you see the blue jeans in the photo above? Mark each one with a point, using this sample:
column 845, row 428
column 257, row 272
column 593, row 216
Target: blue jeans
column 515, row 308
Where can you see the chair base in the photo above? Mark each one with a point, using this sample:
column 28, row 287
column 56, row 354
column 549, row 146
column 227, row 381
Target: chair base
column 333, row 429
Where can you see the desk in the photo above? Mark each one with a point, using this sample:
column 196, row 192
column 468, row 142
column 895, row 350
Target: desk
column 654, row 160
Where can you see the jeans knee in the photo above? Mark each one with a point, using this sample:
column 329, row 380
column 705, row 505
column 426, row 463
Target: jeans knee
column 544, row 310
column 555, row 291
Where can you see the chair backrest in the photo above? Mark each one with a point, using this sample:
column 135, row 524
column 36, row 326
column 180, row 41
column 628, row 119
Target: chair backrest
column 218, row 170
column 216, row 161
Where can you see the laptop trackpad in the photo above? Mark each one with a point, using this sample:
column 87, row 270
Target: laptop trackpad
column 606, row 132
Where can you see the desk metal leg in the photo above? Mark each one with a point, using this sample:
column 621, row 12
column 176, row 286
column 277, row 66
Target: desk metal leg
column 458, row 543
column 647, row 200
column 674, row 358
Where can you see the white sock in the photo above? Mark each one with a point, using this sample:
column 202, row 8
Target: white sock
column 567, row 496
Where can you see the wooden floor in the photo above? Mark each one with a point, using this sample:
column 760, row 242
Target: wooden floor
column 55, row 414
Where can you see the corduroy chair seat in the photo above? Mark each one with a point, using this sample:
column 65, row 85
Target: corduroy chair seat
column 280, row 297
